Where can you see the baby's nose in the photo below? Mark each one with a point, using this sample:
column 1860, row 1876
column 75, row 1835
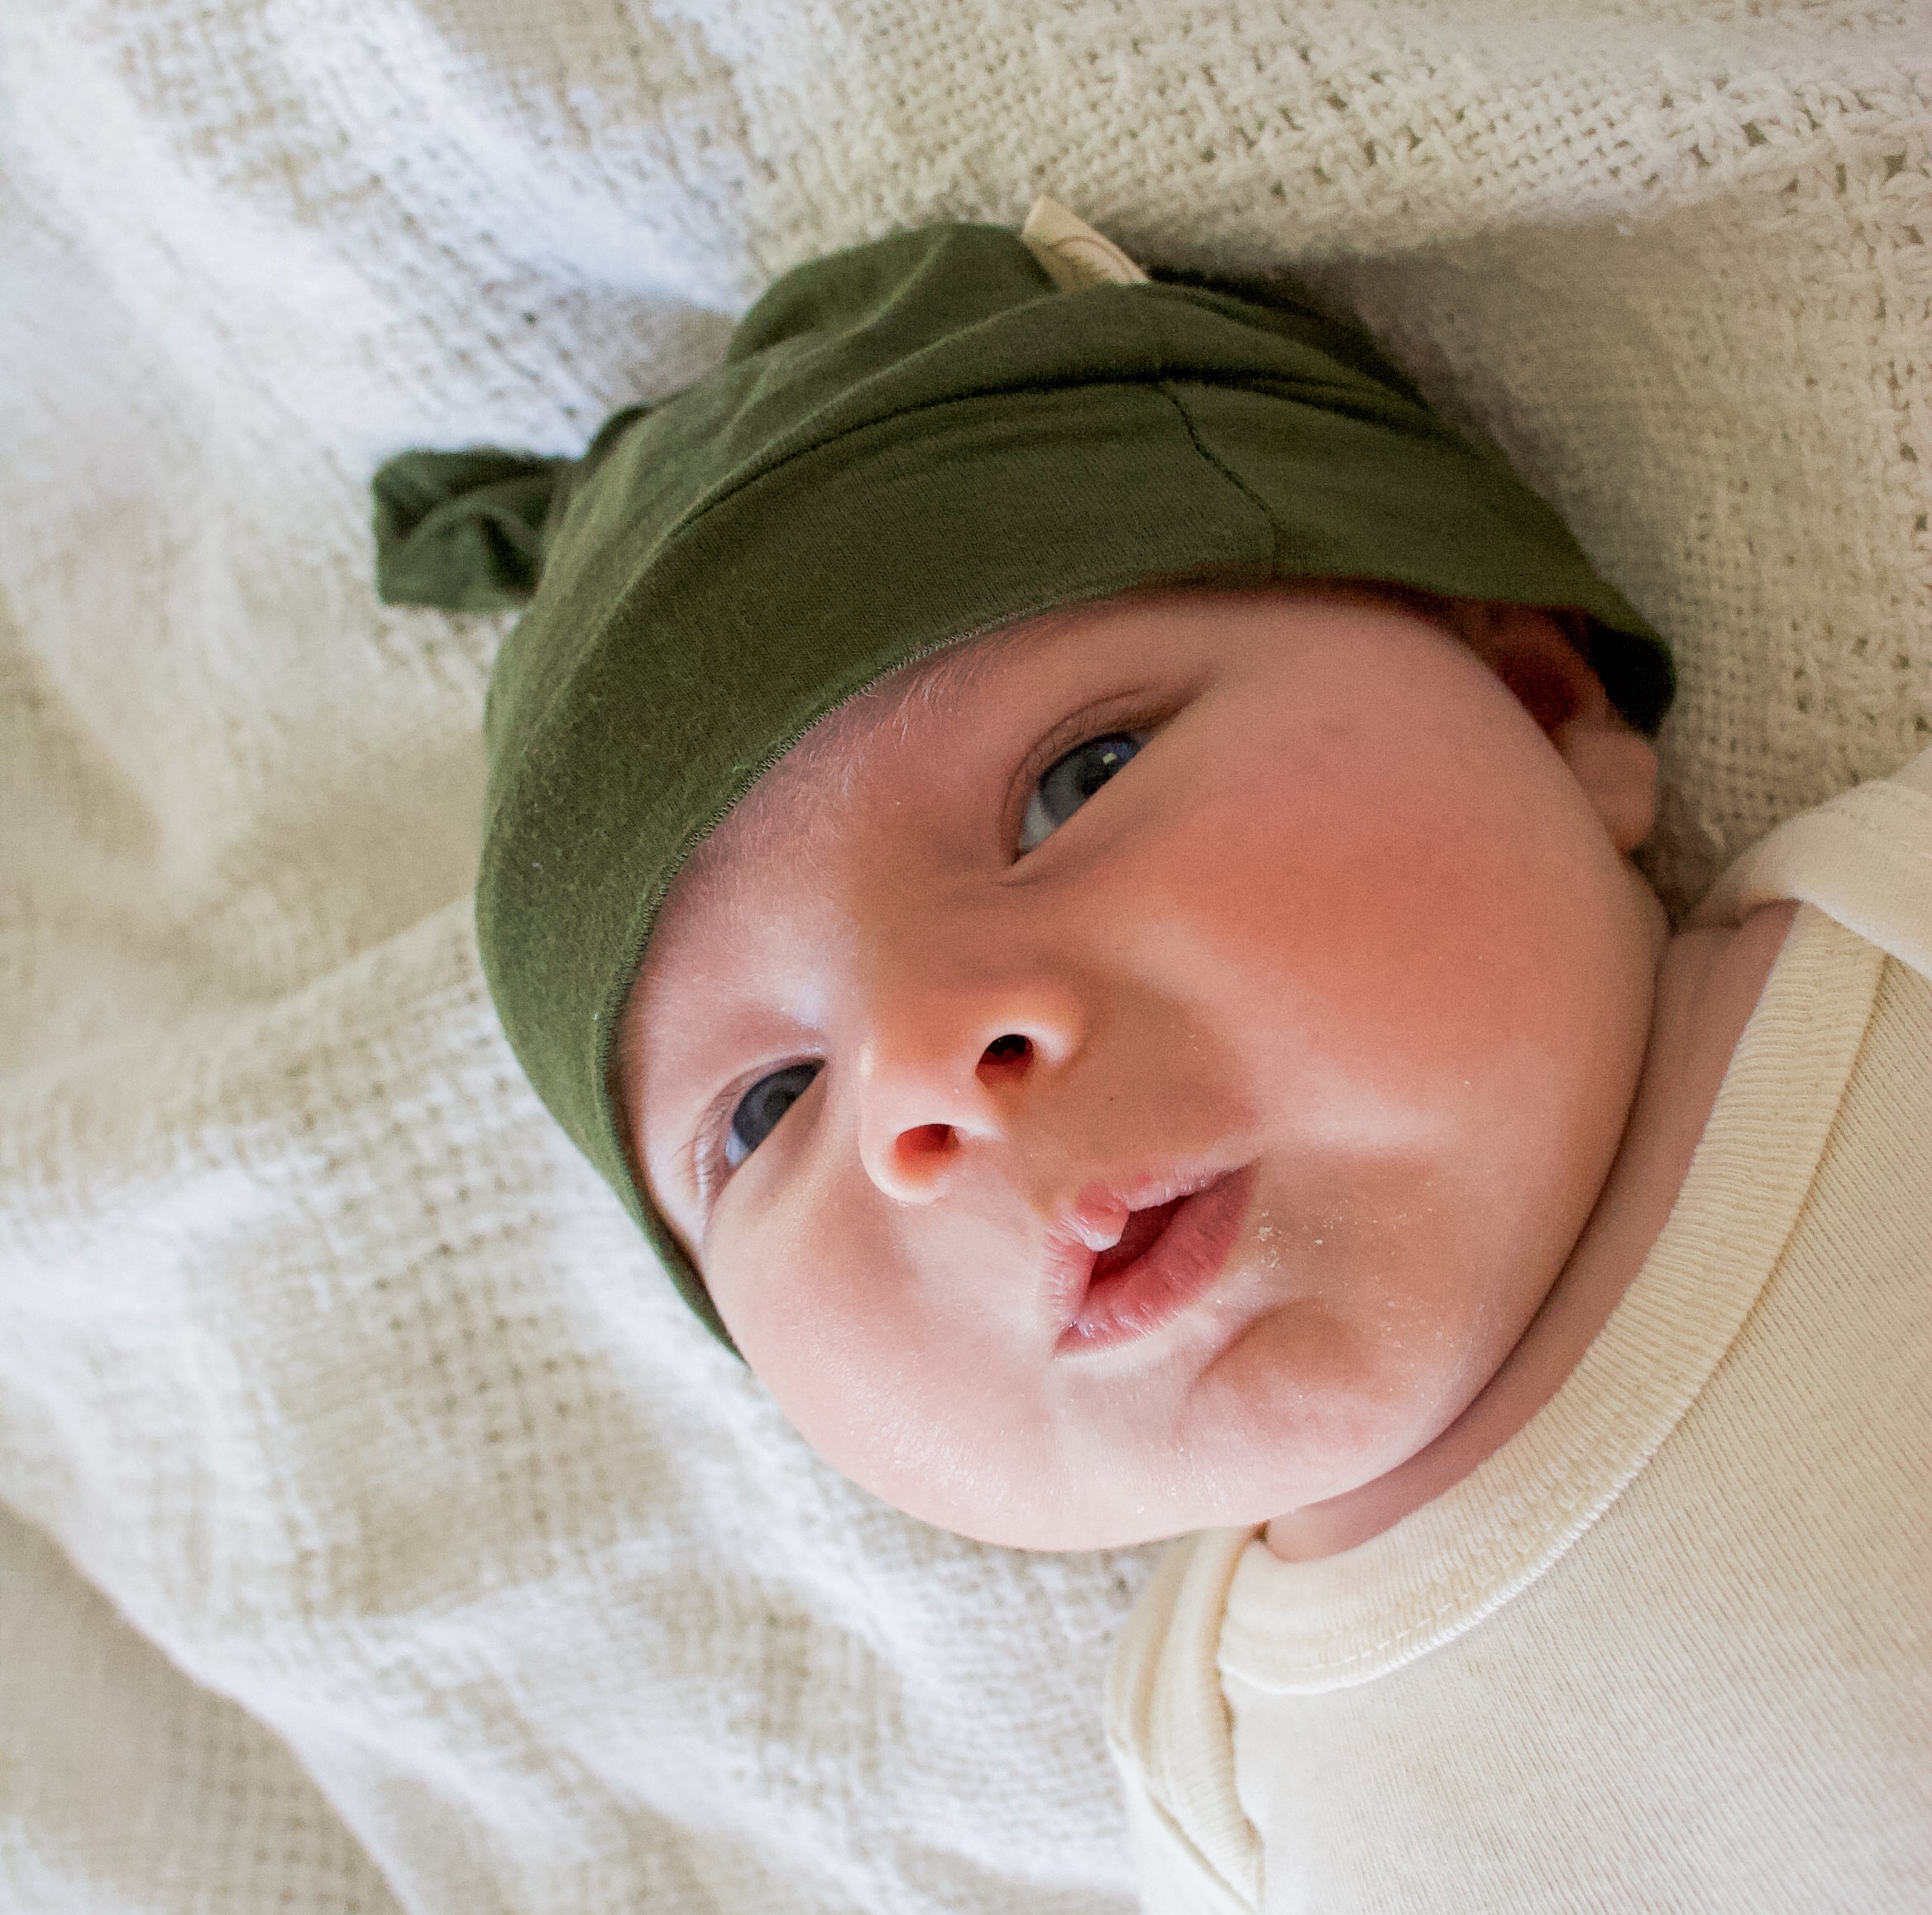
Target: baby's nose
column 917, row 1111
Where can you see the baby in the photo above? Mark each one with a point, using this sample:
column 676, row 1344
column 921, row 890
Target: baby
column 1065, row 845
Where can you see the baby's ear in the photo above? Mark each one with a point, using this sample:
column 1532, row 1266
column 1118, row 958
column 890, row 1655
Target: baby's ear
column 1531, row 651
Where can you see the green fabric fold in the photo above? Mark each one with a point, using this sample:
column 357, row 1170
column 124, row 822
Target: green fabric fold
column 463, row 530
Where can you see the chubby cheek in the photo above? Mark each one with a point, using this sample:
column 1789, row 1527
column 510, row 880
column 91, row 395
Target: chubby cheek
column 1362, row 1362
column 917, row 1405
column 1413, row 932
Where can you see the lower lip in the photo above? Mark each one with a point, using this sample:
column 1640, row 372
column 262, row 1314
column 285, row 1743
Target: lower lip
column 1179, row 1266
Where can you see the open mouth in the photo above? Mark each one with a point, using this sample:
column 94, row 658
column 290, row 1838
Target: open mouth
column 1168, row 1256
column 1143, row 1227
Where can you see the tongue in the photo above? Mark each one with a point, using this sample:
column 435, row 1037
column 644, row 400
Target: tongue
column 1143, row 1227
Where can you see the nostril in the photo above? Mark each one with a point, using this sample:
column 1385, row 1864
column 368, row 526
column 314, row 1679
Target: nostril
column 1011, row 1049
column 927, row 1140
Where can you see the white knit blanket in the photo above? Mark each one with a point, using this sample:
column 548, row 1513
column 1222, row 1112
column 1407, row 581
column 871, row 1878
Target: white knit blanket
column 375, row 1531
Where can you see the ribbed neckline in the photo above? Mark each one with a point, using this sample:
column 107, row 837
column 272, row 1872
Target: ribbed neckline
column 1308, row 1627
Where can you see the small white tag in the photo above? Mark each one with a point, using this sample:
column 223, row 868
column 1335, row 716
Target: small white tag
column 1072, row 252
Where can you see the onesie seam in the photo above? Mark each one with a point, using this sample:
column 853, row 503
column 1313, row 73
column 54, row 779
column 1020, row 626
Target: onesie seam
column 1854, row 819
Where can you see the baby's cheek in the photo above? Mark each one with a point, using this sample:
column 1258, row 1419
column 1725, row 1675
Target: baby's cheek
column 1320, row 1394
column 836, row 1329
column 788, row 1300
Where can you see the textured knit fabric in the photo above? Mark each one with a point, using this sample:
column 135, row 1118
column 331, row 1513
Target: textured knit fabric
column 1666, row 1648
column 909, row 443
column 382, row 1531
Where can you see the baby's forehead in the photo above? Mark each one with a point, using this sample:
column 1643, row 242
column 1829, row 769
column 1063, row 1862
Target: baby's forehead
column 798, row 803
column 805, row 790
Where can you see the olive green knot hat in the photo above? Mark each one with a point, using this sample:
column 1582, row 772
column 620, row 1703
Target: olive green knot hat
column 909, row 443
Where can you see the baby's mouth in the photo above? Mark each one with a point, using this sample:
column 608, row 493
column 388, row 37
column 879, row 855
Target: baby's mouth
column 1143, row 1227
column 1167, row 1256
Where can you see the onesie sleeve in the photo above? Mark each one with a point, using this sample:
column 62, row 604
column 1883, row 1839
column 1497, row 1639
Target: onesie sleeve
column 1864, row 858
column 1194, row 1850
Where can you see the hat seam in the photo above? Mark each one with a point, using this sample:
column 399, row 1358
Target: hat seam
column 1167, row 392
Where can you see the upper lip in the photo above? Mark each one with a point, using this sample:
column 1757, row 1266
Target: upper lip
column 1096, row 1217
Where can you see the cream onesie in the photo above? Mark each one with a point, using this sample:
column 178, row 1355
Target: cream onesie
column 1666, row 1649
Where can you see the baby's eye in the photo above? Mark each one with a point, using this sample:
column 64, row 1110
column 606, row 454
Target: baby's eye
column 1070, row 782
column 761, row 1107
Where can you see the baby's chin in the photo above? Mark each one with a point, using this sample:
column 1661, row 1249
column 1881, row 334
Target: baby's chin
column 1242, row 1480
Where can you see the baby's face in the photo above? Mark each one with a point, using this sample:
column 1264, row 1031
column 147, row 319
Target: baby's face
column 1279, row 897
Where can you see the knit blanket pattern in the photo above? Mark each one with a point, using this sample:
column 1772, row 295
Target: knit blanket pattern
column 376, row 1531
